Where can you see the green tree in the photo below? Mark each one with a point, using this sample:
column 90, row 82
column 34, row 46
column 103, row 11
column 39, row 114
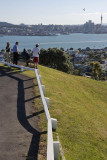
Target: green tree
column 57, row 59
column 71, row 48
column 62, row 49
column 79, row 49
column 91, row 55
column 96, row 70
column 87, row 48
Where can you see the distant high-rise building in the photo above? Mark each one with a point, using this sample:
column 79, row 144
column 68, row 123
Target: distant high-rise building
column 101, row 19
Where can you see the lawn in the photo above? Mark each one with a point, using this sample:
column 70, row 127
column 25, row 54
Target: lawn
column 79, row 104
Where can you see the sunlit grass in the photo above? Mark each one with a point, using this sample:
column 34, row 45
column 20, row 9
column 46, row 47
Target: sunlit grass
column 79, row 105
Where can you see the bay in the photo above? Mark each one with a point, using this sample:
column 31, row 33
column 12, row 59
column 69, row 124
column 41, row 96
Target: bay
column 75, row 41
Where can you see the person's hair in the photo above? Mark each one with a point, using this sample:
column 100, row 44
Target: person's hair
column 8, row 44
column 24, row 50
column 17, row 43
column 37, row 45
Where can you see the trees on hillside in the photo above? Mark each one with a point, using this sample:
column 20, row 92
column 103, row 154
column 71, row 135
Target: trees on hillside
column 96, row 70
column 57, row 59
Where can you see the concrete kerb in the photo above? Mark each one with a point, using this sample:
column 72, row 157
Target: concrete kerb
column 53, row 122
column 17, row 66
column 40, row 78
column 56, row 149
column 43, row 88
column 21, row 69
column 47, row 101
column 8, row 65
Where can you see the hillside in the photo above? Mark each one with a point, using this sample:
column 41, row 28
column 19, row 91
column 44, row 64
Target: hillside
column 79, row 105
column 5, row 24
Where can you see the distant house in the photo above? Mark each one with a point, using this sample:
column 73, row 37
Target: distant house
column 104, row 62
column 83, row 68
column 105, row 54
column 81, row 56
column 104, row 67
column 72, row 52
column 105, row 49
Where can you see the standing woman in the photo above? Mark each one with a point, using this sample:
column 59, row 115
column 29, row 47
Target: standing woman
column 8, row 51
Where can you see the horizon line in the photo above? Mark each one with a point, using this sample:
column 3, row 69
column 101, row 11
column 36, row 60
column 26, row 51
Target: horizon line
column 48, row 24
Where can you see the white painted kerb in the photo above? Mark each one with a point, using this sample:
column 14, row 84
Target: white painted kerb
column 42, row 96
column 50, row 147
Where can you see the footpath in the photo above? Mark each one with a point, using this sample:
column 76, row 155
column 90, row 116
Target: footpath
column 19, row 132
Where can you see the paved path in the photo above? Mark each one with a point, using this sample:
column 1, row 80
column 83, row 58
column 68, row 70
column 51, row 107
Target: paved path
column 19, row 133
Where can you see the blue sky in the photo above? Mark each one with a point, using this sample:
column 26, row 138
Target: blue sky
column 52, row 11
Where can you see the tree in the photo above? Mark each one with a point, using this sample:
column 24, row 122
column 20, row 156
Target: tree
column 87, row 48
column 71, row 48
column 96, row 70
column 73, row 58
column 57, row 59
column 62, row 49
column 91, row 55
column 79, row 49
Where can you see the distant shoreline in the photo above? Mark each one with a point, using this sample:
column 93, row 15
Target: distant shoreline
column 52, row 34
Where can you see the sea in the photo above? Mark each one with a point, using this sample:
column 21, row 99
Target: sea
column 75, row 41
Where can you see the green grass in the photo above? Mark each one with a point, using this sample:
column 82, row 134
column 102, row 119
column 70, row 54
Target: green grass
column 79, row 105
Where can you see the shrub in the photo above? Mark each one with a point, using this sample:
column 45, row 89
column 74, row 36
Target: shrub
column 57, row 59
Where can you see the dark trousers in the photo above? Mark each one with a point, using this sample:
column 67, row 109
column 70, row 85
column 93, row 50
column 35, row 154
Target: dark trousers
column 15, row 58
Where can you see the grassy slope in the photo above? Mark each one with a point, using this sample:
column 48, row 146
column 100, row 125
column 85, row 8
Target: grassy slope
column 79, row 105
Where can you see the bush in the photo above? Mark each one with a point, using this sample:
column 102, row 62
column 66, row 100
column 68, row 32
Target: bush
column 57, row 59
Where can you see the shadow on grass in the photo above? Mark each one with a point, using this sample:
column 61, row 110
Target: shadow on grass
column 31, row 87
column 35, row 114
column 30, row 99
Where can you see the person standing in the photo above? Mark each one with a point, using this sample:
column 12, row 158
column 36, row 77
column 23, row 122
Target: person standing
column 36, row 53
column 25, row 56
column 8, row 51
column 15, row 53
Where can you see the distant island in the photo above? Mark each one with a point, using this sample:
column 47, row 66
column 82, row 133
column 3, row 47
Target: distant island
column 51, row 29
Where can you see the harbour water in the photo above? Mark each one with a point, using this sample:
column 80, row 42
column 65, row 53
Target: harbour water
column 77, row 40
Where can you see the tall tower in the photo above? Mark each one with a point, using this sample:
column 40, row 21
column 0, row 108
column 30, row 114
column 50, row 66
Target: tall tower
column 101, row 19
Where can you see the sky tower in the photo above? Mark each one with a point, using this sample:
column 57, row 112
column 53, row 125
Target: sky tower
column 101, row 19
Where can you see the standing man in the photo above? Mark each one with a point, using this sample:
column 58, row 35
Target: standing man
column 36, row 53
column 15, row 53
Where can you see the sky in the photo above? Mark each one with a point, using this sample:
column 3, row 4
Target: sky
column 61, row 12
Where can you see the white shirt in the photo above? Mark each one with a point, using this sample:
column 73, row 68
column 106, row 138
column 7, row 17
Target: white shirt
column 36, row 52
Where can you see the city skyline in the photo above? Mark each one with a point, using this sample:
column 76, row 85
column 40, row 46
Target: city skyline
column 58, row 12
